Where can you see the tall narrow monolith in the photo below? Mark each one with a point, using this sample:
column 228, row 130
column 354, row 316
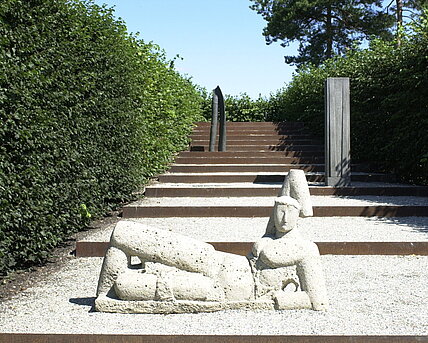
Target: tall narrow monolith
column 337, row 132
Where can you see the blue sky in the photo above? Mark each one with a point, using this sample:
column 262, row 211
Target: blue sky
column 220, row 41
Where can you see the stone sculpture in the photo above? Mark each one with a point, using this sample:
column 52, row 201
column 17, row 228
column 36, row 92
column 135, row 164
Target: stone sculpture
column 179, row 274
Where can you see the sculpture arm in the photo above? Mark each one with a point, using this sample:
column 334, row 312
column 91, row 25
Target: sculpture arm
column 305, row 255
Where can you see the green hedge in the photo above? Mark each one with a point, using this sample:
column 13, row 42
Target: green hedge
column 238, row 108
column 87, row 112
column 389, row 103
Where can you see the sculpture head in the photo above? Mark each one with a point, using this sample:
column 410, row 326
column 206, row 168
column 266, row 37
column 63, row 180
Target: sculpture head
column 286, row 213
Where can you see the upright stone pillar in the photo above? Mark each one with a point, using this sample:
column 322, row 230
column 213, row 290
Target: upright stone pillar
column 214, row 120
column 337, row 132
column 222, row 133
column 218, row 106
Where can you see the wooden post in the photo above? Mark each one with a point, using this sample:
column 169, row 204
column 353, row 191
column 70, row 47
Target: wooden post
column 337, row 132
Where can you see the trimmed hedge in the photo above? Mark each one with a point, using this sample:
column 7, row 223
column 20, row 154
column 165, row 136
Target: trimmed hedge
column 389, row 103
column 87, row 112
column 238, row 108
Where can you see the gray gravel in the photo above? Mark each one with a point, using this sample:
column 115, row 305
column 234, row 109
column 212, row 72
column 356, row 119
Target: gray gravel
column 319, row 229
column 369, row 295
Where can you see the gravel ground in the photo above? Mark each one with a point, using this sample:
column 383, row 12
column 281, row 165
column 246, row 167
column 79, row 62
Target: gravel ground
column 369, row 295
column 366, row 200
column 318, row 229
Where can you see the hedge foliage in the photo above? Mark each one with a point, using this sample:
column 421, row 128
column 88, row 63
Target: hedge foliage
column 238, row 107
column 389, row 103
column 87, row 113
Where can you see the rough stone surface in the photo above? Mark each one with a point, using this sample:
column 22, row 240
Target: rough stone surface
column 169, row 282
column 156, row 245
column 178, row 274
column 132, row 285
column 115, row 263
column 296, row 186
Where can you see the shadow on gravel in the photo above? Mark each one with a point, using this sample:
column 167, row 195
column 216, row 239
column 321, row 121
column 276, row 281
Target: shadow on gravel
column 89, row 301
column 391, row 199
column 419, row 224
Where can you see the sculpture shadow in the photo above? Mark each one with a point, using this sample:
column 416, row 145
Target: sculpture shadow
column 397, row 212
column 88, row 301
column 393, row 200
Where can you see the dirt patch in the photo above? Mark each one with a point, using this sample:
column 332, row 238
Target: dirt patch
column 21, row 280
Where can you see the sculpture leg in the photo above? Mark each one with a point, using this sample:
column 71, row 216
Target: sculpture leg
column 115, row 263
column 166, row 247
column 312, row 281
column 166, row 286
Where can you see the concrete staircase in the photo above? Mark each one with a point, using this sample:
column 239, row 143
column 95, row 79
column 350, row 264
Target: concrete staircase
column 238, row 187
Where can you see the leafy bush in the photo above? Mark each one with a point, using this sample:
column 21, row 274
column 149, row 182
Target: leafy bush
column 389, row 103
column 88, row 113
column 238, row 108
column 168, row 107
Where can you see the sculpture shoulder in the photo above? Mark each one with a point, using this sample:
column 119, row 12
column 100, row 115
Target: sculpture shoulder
column 260, row 244
column 287, row 251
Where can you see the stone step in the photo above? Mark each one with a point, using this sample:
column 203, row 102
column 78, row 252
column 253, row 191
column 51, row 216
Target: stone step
column 253, row 126
column 254, row 136
column 405, row 235
column 264, row 141
column 251, row 154
column 316, row 201
column 207, row 124
column 319, row 229
column 255, row 131
column 249, row 160
column 216, row 168
column 259, row 211
column 324, row 206
column 253, row 168
column 262, row 144
column 250, row 189
column 266, row 147
column 261, row 177
column 98, row 249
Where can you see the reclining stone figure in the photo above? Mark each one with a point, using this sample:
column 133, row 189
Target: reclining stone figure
column 180, row 274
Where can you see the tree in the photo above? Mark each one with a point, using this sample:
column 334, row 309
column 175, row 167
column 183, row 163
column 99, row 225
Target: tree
column 406, row 9
column 323, row 28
